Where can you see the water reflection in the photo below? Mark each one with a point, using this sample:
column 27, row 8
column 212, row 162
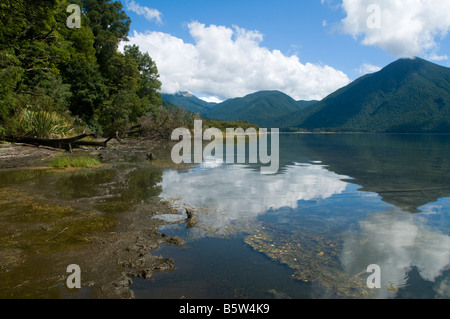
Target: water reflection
column 397, row 241
column 408, row 171
column 359, row 191
column 230, row 194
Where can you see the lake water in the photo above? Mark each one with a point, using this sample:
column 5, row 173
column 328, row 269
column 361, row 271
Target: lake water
column 339, row 203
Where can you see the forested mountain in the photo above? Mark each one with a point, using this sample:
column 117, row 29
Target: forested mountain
column 51, row 70
column 189, row 102
column 409, row 95
column 259, row 108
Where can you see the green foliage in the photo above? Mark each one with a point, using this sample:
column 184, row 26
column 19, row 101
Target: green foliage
column 10, row 75
column 43, row 124
column 149, row 82
column 47, row 67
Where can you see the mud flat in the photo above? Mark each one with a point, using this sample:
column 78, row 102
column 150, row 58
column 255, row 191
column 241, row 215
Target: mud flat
column 107, row 229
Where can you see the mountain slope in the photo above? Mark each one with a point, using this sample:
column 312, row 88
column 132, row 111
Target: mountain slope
column 259, row 108
column 409, row 95
column 189, row 102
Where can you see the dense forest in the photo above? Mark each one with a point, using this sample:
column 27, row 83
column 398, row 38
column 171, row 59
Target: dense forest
column 56, row 78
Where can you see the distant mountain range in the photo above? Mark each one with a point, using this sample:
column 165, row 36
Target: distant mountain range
column 259, row 108
column 409, row 95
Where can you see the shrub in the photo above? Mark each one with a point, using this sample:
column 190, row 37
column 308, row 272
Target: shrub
column 43, row 124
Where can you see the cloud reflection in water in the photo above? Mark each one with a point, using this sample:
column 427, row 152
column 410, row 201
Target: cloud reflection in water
column 397, row 241
column 231, row 194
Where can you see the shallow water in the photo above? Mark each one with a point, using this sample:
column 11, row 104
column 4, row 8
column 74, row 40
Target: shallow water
column 339, row 203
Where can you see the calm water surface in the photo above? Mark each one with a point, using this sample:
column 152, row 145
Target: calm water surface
column 338, row 204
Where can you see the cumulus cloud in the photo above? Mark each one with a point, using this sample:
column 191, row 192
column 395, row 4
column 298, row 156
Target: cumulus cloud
column 149, row 13
column 404, row 28
column 230, row 62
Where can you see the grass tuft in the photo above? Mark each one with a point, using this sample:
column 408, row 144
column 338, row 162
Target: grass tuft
column 79, row 161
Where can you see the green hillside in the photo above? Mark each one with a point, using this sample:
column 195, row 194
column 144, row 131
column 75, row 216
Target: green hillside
column 189, row 102
column 409, row 95
column 259, row 108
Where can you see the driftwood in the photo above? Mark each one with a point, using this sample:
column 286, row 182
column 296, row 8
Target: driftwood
column 62, row 143
column 136, row 129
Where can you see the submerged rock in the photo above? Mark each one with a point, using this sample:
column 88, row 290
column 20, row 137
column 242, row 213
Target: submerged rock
column 278, row 294
column 192, row 220
column 313, row 258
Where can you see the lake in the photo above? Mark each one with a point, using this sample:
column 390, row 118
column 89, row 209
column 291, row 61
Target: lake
column 339, row 203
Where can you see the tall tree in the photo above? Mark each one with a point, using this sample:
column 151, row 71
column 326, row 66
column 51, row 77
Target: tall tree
column 81, row 69
column 109, row 24
column 149, row 77
column 31, row 49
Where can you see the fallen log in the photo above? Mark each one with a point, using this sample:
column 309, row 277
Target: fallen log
column 136, row 129
column 61, row 143
column 97, row 144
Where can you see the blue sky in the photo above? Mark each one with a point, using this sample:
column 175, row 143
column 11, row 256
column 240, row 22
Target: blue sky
column 227, row 48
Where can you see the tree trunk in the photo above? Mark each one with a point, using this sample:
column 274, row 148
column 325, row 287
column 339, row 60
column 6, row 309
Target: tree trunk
column 63, row 143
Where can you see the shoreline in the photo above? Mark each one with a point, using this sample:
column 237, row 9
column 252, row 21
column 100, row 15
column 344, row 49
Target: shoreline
column 112, row 256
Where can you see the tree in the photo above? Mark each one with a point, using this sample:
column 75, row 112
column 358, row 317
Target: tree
column 109, row 24
column 149, row 82
column 82, row 71
column 47, row 66
column 31, row 49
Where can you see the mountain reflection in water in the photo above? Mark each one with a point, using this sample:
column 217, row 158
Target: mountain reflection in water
column 378, row 199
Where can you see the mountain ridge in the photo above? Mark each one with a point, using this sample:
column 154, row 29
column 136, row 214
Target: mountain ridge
column 406, row 96
column 189, row 102
column 258, row 108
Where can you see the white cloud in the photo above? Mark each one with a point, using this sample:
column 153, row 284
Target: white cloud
column 435, row 57
column 210, row 99
column 148, row 13
column 230, row 62
column 368, row 68
column 407, row 28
